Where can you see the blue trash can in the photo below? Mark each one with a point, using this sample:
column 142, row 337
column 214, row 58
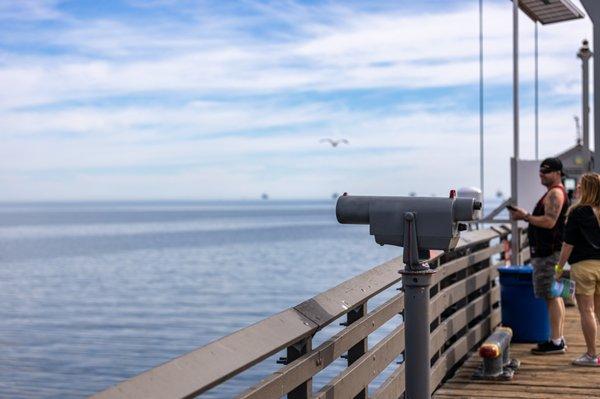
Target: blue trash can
column 521, row 310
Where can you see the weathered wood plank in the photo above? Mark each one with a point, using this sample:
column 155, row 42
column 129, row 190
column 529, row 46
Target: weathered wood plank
column 358, row 376
column 393, row 387
column 335, row 302
column 538, row 376
column 457, row 291
column 189, row 375
column 456, row 265
column 461, row 347
column 280, row 383
column 470, row 238
column 449, row 327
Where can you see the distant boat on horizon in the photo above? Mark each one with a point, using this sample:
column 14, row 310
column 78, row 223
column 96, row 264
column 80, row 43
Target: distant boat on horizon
column 264, row 196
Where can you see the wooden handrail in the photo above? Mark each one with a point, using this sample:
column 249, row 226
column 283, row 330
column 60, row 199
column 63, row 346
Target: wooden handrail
column 360, row 374
column 290, row 376
column 461, row 347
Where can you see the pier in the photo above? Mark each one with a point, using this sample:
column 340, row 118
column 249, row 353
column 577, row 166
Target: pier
column 464, row 310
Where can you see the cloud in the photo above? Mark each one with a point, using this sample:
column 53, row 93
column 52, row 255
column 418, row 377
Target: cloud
column 29, row 10
column 203, row 95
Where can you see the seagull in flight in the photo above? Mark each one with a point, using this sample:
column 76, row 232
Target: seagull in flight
column 334, row 143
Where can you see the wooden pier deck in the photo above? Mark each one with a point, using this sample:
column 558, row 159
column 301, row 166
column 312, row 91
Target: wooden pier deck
column 550, row 376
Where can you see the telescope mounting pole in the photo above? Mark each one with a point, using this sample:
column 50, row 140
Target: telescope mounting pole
column 416, row 280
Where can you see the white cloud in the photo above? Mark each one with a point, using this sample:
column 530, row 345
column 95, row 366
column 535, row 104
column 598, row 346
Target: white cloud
column 29, row 10
column 244, row 109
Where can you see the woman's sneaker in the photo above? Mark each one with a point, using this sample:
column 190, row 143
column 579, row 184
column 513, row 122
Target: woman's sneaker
column 587, row 360
column 549, row 348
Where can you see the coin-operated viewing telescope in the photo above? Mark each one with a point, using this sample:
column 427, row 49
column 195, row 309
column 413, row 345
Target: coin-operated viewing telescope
column 416, row 223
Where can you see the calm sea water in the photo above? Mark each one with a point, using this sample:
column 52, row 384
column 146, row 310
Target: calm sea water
column 93, row 293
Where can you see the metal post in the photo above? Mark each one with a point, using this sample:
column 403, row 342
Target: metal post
column 592, row 7
column 481, row 170
column 416, row 318
column 513, row 185
column 416, row 280
column 585, row 54
column 537, row 103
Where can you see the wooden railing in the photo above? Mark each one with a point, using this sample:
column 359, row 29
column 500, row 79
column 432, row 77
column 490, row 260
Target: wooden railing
column 464, row 310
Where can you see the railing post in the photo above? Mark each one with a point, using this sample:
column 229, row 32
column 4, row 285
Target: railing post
column 304, row 390
column 416, row 318
column 361, row 347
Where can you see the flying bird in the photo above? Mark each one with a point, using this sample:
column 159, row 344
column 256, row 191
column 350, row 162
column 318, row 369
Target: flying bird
column 334, row 143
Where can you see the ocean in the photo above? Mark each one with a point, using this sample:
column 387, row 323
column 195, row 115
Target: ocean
column 92, row 293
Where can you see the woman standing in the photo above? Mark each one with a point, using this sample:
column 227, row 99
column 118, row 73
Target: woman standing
column 581, row 247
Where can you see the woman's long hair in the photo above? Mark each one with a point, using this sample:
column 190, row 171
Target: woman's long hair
column 589, row 193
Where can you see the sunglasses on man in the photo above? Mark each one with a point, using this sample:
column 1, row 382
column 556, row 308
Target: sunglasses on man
column 546, row 171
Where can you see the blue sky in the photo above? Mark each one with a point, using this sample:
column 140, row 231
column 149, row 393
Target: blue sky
column 188, row 99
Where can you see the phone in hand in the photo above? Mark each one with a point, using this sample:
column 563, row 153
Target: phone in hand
column 511, row 208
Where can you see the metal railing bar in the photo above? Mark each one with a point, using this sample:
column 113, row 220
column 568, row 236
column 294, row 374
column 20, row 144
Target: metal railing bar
column 293, row 374
column 358, row 376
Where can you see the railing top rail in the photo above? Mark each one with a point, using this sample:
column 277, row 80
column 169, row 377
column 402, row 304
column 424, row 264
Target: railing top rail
column 187, row 375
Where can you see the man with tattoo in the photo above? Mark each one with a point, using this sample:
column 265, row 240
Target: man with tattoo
column 546, row 225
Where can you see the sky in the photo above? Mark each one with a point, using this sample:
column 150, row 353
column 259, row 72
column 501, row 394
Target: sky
column 194, row 99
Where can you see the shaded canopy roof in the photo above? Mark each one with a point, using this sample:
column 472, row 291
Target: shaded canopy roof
column 550, row 11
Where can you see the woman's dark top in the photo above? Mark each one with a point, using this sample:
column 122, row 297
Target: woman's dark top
column 583, row 232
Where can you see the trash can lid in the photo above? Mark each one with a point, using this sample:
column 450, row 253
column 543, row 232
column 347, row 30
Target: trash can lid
column 515, row 269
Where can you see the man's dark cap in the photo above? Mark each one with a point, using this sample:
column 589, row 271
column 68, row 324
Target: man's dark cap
column 551, row 165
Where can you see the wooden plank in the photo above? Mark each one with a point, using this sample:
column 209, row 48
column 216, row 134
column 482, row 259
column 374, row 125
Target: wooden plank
column 280, row 383
column 188, row 375
column 461, row 347
column 457, row 291
column 335, row 302
column 456, row 265
column 538, row 376
column 393, row 387
column 470, row 238
column 358, row 376
column 449, row 327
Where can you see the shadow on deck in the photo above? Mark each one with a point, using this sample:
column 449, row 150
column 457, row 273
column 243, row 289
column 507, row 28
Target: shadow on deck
column 538, row 377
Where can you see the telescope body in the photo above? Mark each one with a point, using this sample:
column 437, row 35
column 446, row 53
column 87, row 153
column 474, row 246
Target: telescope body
column 436, row 219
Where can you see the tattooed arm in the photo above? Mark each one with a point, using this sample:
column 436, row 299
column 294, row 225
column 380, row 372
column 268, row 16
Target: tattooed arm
column 553, row 204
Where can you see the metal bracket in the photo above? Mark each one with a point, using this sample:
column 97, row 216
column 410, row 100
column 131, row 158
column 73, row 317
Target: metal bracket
column 411, row 248
column 507, row 373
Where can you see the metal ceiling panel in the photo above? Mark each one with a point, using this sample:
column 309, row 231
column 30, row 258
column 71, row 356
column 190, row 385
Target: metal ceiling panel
column 550, row 11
